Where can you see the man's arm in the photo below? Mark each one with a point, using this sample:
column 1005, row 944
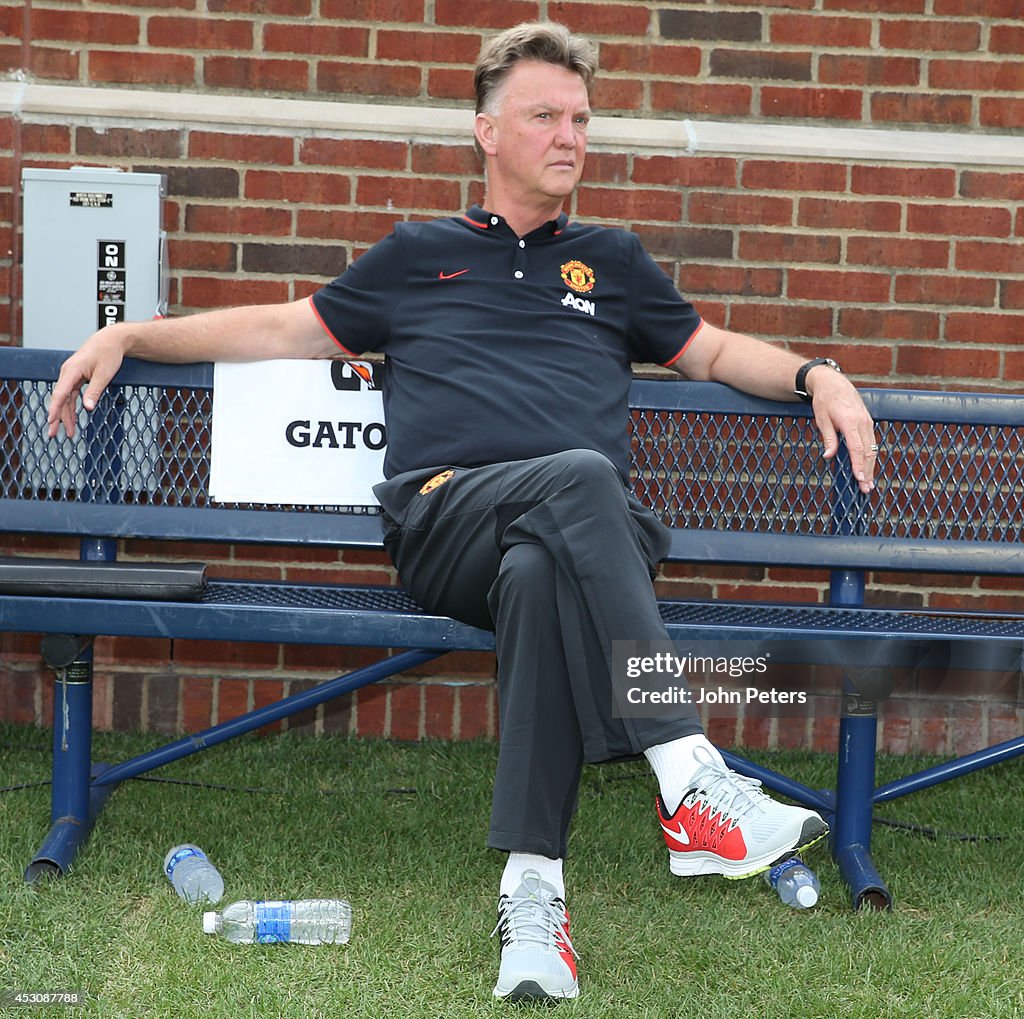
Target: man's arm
column 762, row 369
column 255, row 333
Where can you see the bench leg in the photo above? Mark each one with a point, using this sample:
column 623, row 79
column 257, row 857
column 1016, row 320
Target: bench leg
column 79, row 791
column 855, row 788
column 74, row 804
column 849, row 810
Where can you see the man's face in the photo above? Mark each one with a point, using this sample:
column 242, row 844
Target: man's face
column 537, row 141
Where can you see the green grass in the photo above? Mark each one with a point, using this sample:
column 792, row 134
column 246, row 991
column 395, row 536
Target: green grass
column 399, row 831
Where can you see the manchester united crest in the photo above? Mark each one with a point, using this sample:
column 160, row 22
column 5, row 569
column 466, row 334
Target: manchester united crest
column 437, row 481
column 578, row 276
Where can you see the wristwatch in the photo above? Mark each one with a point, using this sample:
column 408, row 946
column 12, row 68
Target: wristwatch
column 800, row 387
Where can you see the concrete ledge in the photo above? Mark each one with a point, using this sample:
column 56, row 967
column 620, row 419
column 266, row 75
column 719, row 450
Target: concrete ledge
column 42, row 103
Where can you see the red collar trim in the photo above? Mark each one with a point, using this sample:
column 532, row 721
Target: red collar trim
column 556, row 225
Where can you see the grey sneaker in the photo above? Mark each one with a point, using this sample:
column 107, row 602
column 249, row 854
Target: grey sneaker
column 726, row 825
column 537, row 957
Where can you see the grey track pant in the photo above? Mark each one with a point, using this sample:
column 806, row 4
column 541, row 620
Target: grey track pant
column 556, row 557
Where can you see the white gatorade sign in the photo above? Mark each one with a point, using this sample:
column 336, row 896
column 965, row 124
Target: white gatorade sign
column 295, row 432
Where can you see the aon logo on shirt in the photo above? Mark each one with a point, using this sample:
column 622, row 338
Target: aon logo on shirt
column 578, row 303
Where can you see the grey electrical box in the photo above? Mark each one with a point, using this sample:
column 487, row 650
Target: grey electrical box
column 94, row 252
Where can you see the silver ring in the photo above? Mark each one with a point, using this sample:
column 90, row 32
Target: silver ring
column 874, row 448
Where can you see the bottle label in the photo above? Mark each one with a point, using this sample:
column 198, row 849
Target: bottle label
column 273, row 922
column 780, row 868
column 183, row 854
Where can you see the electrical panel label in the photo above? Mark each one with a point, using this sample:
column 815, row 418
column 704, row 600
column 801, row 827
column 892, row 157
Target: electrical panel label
column 111, row 254
column 91, row 200
column 111, row 282
column 110, row 285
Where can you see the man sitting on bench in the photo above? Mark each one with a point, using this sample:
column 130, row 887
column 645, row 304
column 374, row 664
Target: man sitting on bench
column 509, row 334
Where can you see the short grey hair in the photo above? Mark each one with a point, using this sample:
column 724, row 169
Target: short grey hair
column 546, row 41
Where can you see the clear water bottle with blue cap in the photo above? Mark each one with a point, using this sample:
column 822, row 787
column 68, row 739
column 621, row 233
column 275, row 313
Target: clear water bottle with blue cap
column 795, row 882
column 194, row 878
column 297, row 922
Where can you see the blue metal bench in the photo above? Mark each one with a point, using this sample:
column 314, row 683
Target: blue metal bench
column 740, row 481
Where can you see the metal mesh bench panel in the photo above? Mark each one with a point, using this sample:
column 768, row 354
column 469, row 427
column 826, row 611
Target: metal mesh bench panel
column 736, row 472
column 863, row 622
column 302, row 596
column 144, row 445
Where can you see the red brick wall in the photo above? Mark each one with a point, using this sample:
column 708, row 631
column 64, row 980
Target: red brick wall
column 910, row 273
column 886, row 62
column 880, row 265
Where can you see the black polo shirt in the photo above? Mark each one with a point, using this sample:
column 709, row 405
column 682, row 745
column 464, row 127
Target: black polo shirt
column 500, row 348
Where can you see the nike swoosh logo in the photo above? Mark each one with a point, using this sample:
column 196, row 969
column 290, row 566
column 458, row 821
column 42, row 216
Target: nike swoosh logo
column 451, row 275
column 680, row 836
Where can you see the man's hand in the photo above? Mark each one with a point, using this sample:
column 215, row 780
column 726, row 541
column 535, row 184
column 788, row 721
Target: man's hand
column 96, row 363
column 254, row 333
column 839, row 410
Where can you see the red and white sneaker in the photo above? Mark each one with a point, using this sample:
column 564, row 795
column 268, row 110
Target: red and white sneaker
column 726, row 825
column 538, row 961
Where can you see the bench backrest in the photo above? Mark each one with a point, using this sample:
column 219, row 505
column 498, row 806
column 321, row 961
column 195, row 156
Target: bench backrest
column 742, row 480
column 738, row 479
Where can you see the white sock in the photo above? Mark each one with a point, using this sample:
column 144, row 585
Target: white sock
column 550, row 872
column 674, row 764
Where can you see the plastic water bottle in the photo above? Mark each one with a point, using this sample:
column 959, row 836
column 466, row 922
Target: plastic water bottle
column 796, row 883
column 194, row 878
column 299, row 922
